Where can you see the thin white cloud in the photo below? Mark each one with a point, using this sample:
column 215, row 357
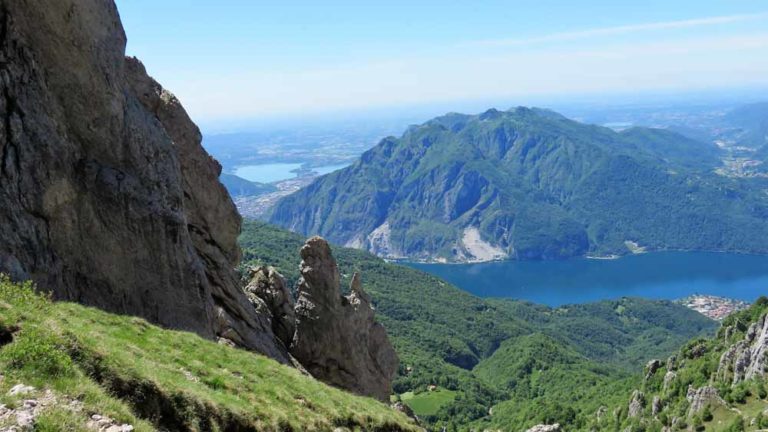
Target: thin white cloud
column 618, row 30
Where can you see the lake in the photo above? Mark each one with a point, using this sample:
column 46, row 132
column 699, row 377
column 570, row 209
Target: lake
column 268, row 173
column 274, row 172
column 662, row 275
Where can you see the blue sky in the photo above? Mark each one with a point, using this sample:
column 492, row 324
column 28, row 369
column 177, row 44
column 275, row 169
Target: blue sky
column 249, row 59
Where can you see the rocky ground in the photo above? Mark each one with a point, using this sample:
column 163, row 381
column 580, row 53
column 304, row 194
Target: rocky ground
column 713, row 307
column 27, row 404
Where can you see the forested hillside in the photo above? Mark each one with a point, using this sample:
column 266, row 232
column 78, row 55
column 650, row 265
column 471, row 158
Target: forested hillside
column 529, row 363
column 531, row 184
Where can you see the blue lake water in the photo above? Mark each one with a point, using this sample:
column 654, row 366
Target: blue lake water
column 274, row 172
column 268, row 173
column 663, row 275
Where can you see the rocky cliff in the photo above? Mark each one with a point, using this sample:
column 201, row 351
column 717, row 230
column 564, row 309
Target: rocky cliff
column 747, row 358
column 337, row 339
column 107, row 196
column 333, row 336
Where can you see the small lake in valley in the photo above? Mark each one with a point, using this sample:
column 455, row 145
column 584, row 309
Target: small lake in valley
column 662, row 275
column 275, row 172
column 268, row 173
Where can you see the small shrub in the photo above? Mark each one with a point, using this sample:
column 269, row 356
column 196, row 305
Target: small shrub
column 215, row 382
column 739, row 394
column 762, row 393
column 698, row 424
column 39, row 354
column 736, row 426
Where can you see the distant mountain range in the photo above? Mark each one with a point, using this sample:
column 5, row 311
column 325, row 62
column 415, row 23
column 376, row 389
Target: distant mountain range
column 531, row 184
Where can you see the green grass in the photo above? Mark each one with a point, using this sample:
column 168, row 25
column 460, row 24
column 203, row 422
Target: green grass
column 724, row 417
column 428, row 402
column 140, row 374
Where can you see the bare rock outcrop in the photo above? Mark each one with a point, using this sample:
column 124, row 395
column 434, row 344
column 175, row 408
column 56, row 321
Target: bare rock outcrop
column 656, row 406
column 747, row 358
column 668, row 378
column 267, row 287
column 672, row 363
column 651, row 367
column 636, row 404
column 337, row 339
column 702, row 397
column 107, row 196
column 545, row 428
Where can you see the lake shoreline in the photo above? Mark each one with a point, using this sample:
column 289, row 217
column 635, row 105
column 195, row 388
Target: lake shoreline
column 667, row 275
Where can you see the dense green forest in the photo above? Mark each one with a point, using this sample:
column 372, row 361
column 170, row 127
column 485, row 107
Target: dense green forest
column 497, row 361
column 533, row 185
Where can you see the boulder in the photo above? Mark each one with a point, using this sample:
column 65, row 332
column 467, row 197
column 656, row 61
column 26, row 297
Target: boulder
column 108, row 198
column 337, row 339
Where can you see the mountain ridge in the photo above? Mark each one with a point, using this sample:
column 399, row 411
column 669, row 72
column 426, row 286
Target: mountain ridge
column 534, row 185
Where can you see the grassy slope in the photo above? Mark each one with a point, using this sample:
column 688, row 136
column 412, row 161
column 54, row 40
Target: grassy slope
column 443, row 333
column 152, row 378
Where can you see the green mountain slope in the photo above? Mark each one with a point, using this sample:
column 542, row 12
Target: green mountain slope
column 238, row 186
column 463, row 344
column 84, row 362
column 549, row 382
column 716, row 384
column 530, row 184
column 751, row 124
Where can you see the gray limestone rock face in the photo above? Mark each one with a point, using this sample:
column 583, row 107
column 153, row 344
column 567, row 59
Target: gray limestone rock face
column 747, row 358
column 656, row 406
column 651, row 367
column 636, row 404
column 668, row 378
column 107, row 197
column 702, row 397
column 545, row 428
column 267, row 286
column 337, row 339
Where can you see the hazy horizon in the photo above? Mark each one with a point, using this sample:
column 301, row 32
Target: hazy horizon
column 241, row 62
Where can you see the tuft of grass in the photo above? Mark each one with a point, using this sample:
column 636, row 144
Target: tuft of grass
column 38, row 354
column 61, row 419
